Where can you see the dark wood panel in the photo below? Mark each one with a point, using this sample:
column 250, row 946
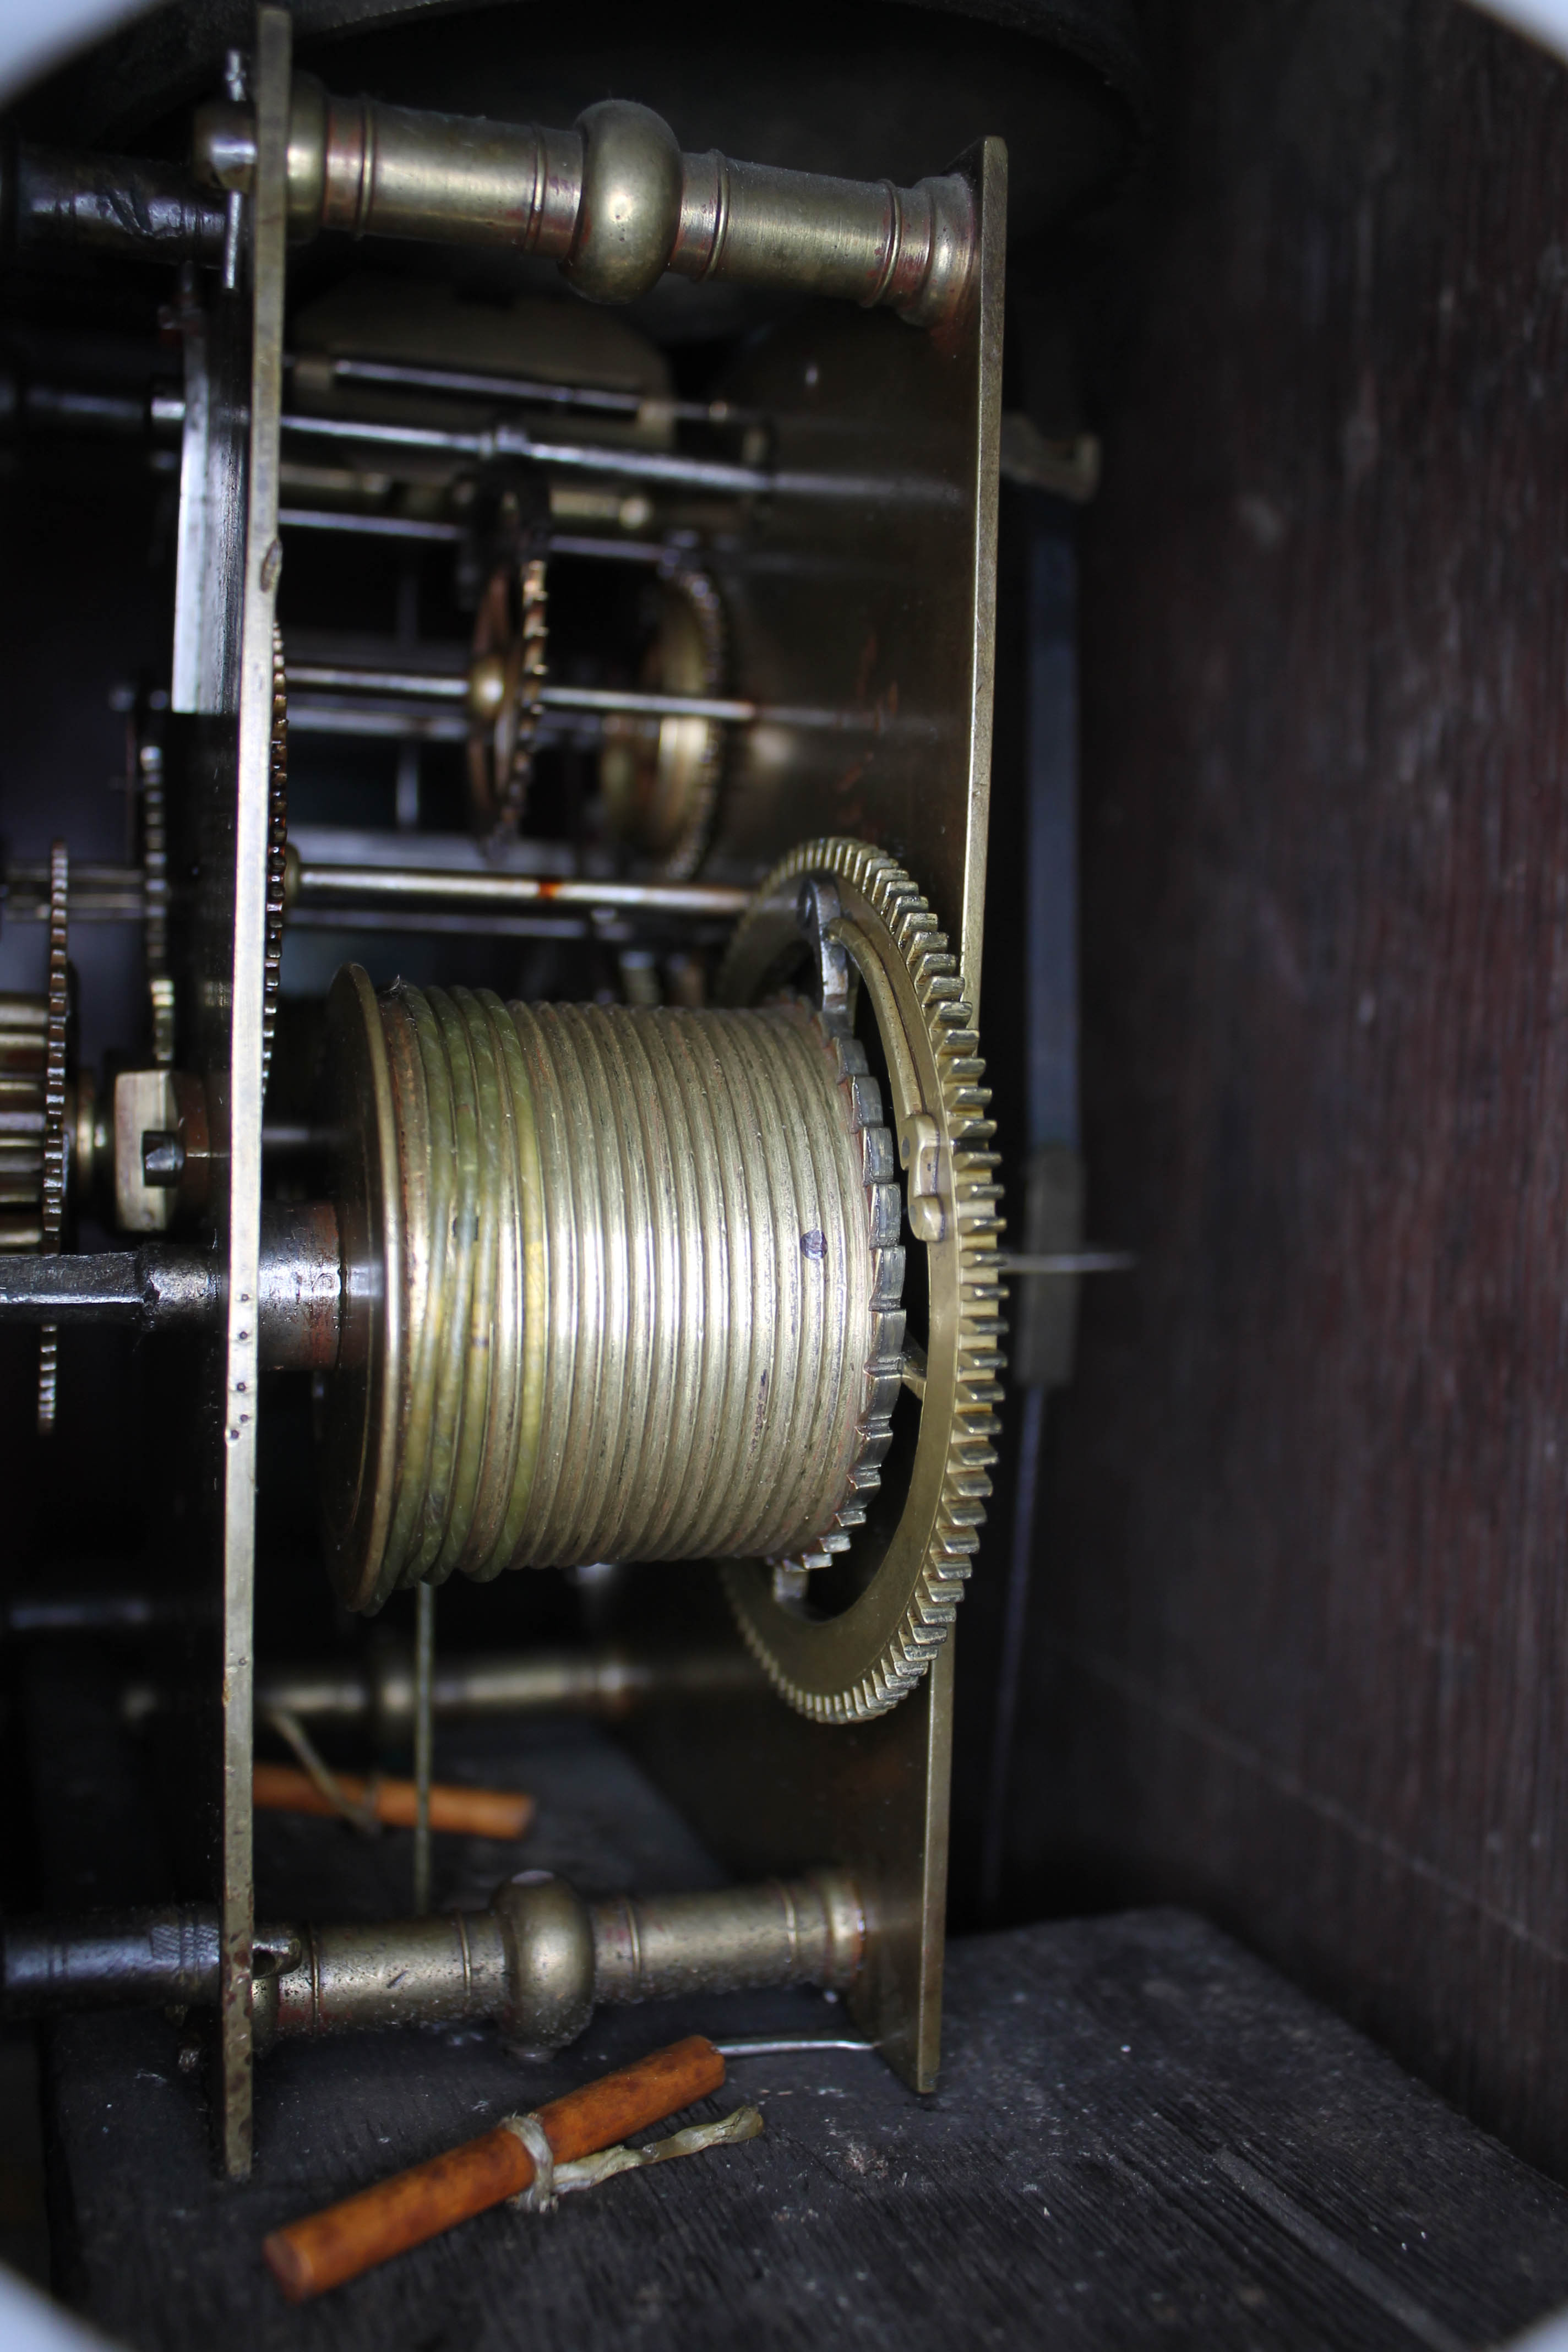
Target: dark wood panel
column 1299, row 1624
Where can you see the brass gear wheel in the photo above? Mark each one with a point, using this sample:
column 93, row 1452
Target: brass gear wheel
column 504, row 682
column 661, row 777
column 871, row 925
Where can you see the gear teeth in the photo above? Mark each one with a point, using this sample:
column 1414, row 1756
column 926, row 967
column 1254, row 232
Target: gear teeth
column 961, row 1511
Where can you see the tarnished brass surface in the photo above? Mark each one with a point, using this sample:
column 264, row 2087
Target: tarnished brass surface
column 537, row 1961
column 613, row 199
column 822, row 610
column 629, row 1297
column 808, row 1930
column 432, row 1971
column 144, row 1100
column 871, row 590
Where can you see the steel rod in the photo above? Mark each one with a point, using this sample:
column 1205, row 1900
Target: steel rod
column 152, row 1286
column 114, row 203
column 376, row 1692
column 369, row 721
column 433, row 686
column 165, row 1284
column 439, row 924
column 475, row 382
column 444, row 686
column 424, row 1740
column 511, row 441
column 397, row 885
column 613, row 199
column 95, row 893
column 617, row 550
column 447, row 534
column 403, row 527
column 790, row 2045
column 732, row 710
column 321, row 888
column 1065, row 1262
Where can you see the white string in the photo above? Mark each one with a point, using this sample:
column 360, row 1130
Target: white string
column 539, row 2197
column 552, row 2181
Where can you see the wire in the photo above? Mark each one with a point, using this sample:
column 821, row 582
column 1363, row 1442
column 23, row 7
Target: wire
column 784, row 2048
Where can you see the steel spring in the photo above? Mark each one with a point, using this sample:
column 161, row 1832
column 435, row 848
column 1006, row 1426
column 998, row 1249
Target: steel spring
column 638, row 1278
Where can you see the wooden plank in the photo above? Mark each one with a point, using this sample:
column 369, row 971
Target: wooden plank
column 1301, row 1644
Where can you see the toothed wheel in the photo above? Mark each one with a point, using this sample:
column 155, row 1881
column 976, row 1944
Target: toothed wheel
column 867, row 921
column 506, row 675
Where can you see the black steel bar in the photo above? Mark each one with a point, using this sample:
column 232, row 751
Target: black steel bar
column 154, row 1286
column 132, row 1959
column 163, row 1286
column 114, row 203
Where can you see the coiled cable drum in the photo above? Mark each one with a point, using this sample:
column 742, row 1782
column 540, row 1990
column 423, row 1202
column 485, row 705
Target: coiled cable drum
column 633, row 1274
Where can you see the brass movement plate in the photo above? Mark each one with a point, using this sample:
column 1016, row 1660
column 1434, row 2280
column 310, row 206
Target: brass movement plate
column 863, row 615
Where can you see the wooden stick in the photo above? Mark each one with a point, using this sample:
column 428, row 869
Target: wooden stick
column 469, row 1813
column 328, row 2248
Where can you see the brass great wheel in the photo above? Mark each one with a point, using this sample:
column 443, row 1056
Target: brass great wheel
column 872, row 930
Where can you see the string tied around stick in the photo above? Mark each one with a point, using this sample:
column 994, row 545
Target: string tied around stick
column 540, row 2196
column 551, row 2181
